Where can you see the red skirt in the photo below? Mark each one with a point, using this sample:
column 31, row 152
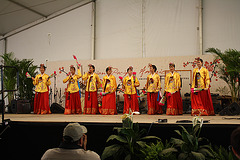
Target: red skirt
column 202, row 103
column 153, row 104
column 130, row 101
column 174, row 104
column 41, row 103
column 73, row 103
column 91, row 103
column 109, row 104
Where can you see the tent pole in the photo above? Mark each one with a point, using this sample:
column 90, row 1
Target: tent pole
column 93, row 28
column 200, row 28
column 5, row 45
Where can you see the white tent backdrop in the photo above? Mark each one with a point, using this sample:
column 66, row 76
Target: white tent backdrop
column 118, row 29
column 221, row 24
column 56, row 39
column 131, row 29
column 148, row 28
column 171, row 28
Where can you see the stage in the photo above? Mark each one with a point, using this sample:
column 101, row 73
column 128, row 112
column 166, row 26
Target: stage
column 143, row 118
column 29, row 135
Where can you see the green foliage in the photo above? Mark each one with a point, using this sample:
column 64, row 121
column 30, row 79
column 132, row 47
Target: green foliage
column 159, row 152
column 223, row 154
column 190, row 146
column 127, row 143
column 25, row 84
column 9, row 78
column 229, row 70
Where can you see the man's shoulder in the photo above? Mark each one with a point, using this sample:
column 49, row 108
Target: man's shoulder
column 67, row 153
column 49, row 153
column 90, row 153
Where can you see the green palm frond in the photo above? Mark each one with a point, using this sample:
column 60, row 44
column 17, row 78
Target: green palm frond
column 229, row 69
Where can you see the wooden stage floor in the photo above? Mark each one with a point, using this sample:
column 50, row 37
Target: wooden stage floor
column 143, row 118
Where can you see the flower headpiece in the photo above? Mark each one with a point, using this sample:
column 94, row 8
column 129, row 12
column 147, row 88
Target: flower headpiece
column 197, row 59
column 90, row 65
column 71, row 66
column 42, row 65
column 130, row 67
column 149, row 65
column 171, row 64
column 109, row 67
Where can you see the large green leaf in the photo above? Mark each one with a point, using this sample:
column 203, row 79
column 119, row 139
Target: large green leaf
column 167, row 151
column 178, row 132
column 185, row 137
column 206, row 152
column 196, row 128
column 184, row 129
column 182, row 156
column 190, row 139
column 176, row 141
column 128, row 157
column 117, row 137
column 150, row 137
column 110, row 151
column 198, row 156
column 141, row 144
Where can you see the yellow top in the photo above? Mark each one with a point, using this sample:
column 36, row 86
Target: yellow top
column 111, row 84
column 172, row 82
column 153, row 83
column 93, row 82
column 128, row 84
column 73, row 85
column 203, row 79
column 42, row 85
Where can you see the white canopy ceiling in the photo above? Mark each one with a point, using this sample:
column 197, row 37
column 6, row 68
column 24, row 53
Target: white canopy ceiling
column 17, row 13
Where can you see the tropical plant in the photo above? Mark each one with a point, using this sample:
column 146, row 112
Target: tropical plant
column 128, row 142
column 157, row 151
column 25, row 84
column 9, row 74
column 190, row 146
column 229, row 70
column 10, row 79
column 223, row 154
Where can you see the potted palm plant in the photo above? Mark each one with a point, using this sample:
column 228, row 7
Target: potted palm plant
column 229, row 69
column 25, row 90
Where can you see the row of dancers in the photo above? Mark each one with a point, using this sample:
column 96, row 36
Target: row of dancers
column 201, row 101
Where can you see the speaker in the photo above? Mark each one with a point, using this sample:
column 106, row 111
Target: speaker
column 56, row 108
column 1, row 106
column 231, row 110
column 186, row 106
column 217, row 108
column 120, row 106
column 20, row 106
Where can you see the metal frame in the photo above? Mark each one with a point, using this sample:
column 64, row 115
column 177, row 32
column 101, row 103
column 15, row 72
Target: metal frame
column 42, row 20
column 2, row 91
column 28, row 8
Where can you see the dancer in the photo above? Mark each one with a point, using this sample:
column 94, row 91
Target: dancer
column 93, row 83
column 109, row 97
column 130, row 94
column 153, row 91
column 201, row 100
column 72, row 96
column 41, row 100
column 172, row 89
